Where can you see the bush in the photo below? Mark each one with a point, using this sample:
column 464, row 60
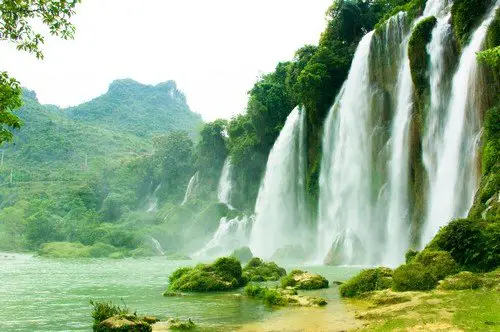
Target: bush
column 438, row 263
column 413, row 277
column 224, row 274
column 474, row 245
column 243, row 254
column 367, row 281
column 304, row 280
column 465, row 16
column 461, row 281
column 101, row 250
column 410, row 255
column 104, row 310
column 64, row 250
column 269, row 296
column 257, row 270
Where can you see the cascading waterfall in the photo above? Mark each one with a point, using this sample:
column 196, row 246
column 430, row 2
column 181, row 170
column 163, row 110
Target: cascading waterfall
column 230, row 235
column 153, row 200
column 365, row 208
column 452, row 191
column 191, row 188
column 224, row 188
column 280, row 211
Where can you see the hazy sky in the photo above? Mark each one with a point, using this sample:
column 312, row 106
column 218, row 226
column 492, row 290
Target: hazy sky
column 213, row 49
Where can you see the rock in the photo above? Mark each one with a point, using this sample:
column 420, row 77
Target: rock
column 336, row 282
column 293, row 252
column 150, row 319
column 177, row 324
column 337, row 255
column 304, row 280
column 243, row 254
column 168, row 293
column 282, row 297
column 257, row 270
column 122, row 323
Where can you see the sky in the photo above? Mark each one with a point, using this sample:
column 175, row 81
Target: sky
column 214, row 49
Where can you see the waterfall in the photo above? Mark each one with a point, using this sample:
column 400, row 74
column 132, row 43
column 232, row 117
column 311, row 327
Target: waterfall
column 344, row 205
column 280, row 210
column 230, row 235
column 224, row 188
column 453, row 187
column 153, row 200
column 191, row 188
column 157, row 246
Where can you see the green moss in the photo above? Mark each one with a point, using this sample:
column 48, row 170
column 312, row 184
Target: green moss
column 439, row 264
column 298, row 279
column 243, row 254
column 417, row 53
column 104, row 310
column 410, row 255
column 177, row 324
column 413, row 277
column 490, row 57
column 224, row 274
column 257, row 270
column 64, row 250
column 465, row 16
column 269, row 296
column 367, row 281
column 461, row 281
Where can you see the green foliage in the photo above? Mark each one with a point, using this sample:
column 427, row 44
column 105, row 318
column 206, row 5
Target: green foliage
column 257, row 270
column 298, row 279
column 413, row 277
column 77, row 250
column 490, row 57
column 243, row 254
column 211, row 151
column 10, row 99
column 417, row 52
column 473, row 244
column 104, row 310
column 440, row 264
column 367, row 281
column 461, row 281
column 413, row 9
column 177, row 324
column 270, row 296
column 466, row 15
column 224, row 274
column 410, row 255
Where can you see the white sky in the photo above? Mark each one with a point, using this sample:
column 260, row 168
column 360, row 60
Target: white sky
column 213, row 49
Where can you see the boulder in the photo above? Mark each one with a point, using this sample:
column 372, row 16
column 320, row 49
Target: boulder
column 122, row 323
column 298, row 279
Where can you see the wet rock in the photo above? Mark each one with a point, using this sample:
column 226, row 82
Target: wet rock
column 304, row 280
column 120, row 323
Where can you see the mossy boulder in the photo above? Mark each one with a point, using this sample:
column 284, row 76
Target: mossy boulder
column 123, row 323
column 224, row 274
column 257, row 270
column 282, row 297
column 177, row 324
column 413, row 277
column 298, row 279
column 466, row 16
column 417, row 53
column 366, row 281
column 243, row 254
column 461, row 281
column 439, row 263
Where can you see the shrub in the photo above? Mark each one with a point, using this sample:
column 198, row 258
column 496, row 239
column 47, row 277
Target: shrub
column 269, row 296
column 224, row 274
column 257, row 270
column 461, row 281
column 101, row 250
column 243, row 254
column 64, row 250
column 367, row 281
column 304, row 280
column 410, row 255
column 438, row 263
column 104, row 310
column 465, row 16
column 412, row 277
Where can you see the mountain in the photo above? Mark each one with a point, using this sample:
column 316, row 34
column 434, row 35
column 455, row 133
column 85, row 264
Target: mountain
column 143, row 110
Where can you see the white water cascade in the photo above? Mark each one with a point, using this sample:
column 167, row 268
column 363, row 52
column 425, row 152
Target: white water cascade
column 157, row 246
column 230, row 235
column 453, row 187
column 280, row 211
column 191, row 188
column 153, row 200
column 225, row 186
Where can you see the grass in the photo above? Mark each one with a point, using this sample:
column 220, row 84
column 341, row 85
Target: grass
column 468, row 310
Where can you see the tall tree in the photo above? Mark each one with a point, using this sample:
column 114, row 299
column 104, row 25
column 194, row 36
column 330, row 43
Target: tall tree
column 17, row 18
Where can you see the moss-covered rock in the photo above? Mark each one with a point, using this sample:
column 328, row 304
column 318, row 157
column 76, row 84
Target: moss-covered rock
column 461, row 281
column 257, row 270
column 410, row 255
column 466, row 15
column 298, row 279
column 367, row 281
column 177, row 324
column 282, row 297
column 123, row 323
column 413, row 277
column 417, row 53
column 413, row 8
column 224, row 274
column 243, row 254
column 439, row 264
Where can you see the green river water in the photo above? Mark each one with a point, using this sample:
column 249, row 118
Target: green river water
column 39, row 294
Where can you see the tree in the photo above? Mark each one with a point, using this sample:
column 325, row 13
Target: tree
column 16, row 19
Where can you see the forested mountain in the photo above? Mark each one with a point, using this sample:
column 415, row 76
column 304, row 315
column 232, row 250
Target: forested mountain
column 143, row 110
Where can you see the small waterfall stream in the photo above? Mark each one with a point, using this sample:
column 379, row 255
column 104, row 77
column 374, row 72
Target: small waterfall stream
column 191, row 188
column 225, row 186
column 280, row 211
